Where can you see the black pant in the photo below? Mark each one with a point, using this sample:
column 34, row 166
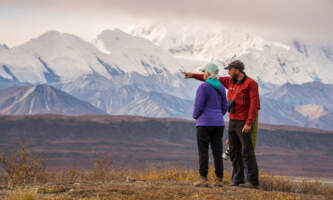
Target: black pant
column 241, row 146
column 210, row 135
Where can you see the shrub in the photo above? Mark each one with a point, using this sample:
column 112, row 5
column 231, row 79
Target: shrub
column 23, row 167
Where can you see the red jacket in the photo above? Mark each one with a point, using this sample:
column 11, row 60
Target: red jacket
column 246, row 95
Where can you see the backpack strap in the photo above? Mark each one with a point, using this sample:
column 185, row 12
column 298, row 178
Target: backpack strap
column 218, row 92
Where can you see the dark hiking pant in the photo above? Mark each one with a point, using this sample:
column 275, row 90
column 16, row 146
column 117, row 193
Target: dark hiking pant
column 210, row 135
column 241, row 148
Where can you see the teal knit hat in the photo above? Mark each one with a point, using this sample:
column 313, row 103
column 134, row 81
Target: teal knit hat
column 211, row 67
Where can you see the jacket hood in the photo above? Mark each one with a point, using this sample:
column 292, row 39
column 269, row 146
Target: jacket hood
column 214, row 82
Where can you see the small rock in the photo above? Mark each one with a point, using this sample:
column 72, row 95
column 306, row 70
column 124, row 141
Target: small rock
column 130, row 179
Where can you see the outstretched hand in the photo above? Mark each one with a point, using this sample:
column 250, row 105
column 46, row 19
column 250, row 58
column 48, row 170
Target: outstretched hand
column 187, row 74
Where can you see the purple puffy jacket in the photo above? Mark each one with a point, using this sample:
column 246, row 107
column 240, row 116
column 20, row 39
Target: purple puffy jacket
column 209, row 106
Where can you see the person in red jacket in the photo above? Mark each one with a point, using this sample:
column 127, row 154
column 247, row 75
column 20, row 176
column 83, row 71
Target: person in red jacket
column 244, row 103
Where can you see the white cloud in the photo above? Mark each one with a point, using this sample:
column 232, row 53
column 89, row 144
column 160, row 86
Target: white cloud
column 303, row 17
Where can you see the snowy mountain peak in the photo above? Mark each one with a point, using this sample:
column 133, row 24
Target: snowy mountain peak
column 135, row 54
column 62, row 55
column 50, row 40
column 52, row 33
column 114, row 33
column 118, row 38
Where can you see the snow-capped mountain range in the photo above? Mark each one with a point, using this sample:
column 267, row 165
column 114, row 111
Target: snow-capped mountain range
column 137, row 70
column 268, row 61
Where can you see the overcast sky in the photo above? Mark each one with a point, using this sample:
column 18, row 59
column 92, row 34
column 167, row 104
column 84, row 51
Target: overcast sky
column 21, row 20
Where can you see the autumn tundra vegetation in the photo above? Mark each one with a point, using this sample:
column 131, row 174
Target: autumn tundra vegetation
column 25, row 177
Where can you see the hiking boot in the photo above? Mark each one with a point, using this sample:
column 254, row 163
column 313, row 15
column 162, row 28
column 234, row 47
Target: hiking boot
column 202, row 182
column 249, row 185
column 235, row 184
column 218, row 182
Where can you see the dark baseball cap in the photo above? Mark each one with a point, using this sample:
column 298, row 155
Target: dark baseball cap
column 237, row 64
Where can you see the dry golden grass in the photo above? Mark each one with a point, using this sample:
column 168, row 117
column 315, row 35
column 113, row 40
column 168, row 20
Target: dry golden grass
column 26, row 179
column 22, row 195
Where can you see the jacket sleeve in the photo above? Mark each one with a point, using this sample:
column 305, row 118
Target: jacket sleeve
column 198, row 77
column 199, row 102
column 254, row 103
column 224, row 102
column 224, row 80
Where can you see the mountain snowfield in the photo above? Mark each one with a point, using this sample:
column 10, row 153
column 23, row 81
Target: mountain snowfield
column 136, row 71
column 267, row 61
column 68, row 57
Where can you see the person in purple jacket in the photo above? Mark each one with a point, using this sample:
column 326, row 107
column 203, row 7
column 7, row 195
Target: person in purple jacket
column 209, row 108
